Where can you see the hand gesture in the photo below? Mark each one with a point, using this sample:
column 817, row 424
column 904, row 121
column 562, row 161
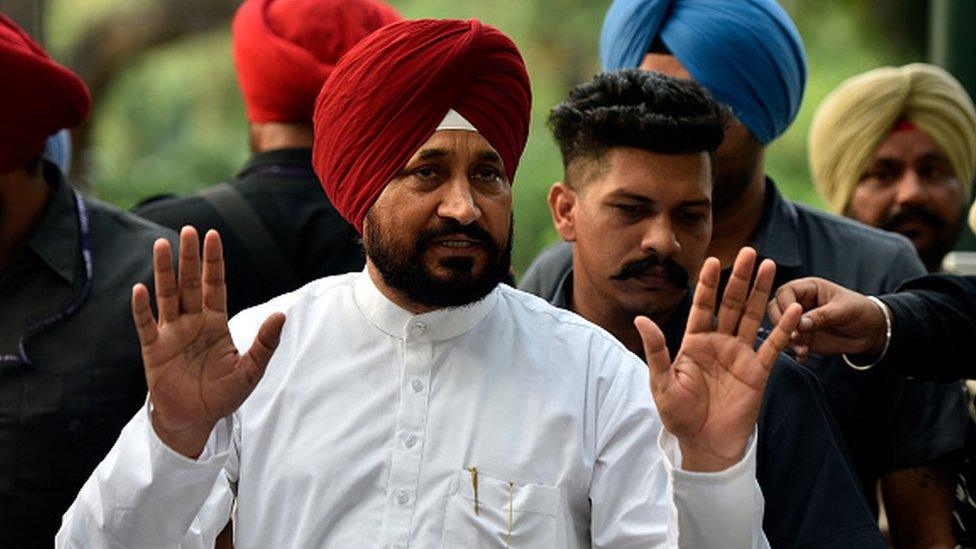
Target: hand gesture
column 709, row 398
column 837, row 320
column 193, row 370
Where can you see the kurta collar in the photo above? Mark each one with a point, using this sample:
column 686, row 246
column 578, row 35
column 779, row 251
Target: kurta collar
column 777, row 235
column 437, row 325
column 56, row 239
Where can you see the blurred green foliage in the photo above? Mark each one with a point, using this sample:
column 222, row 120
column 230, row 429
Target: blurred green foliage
column 174, row 122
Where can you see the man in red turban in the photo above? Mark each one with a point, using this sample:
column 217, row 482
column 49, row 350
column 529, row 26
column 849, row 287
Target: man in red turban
column 279, row 230
column 420, row 402
column 69, row 366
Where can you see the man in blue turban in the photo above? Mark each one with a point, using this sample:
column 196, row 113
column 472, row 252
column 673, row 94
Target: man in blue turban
column 749, row 55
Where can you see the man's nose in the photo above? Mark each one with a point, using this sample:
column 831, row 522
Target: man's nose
column 910, row 190
column 660, row 237
column 458, row 202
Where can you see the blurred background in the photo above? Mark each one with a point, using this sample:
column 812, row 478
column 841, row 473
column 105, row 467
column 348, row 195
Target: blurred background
column 168, row 117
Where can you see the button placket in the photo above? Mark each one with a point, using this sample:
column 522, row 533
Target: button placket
column 410, row 431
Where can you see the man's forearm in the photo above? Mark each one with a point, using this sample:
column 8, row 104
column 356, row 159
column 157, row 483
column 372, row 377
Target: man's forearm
column 918, row 502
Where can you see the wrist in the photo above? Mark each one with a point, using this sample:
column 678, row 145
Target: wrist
column 188, row 442
column 698, row 460
column 876, row 346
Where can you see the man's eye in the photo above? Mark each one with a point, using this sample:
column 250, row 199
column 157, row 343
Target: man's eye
column 691, row 218
column 425, row 174
column 884, row 176
column 932, row 173
column 628, row 208
column 488, row 174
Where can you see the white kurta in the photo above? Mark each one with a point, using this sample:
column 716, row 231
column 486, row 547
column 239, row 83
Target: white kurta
column 365, row 426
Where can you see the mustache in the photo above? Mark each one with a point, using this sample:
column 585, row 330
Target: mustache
column 450, row 227
column 676, row 274
column 913, row 213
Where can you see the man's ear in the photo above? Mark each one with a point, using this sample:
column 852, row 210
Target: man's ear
column 563, row 203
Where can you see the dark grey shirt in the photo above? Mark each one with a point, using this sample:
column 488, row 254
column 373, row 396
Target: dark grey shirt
column 888, row 423
column 813, row 498
column 61, row 411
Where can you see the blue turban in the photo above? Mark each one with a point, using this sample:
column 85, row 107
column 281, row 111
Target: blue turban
column 57, row 149
column 747, row 53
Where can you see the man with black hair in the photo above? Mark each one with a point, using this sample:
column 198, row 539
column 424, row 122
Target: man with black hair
column 749, row 56
column 70, row 368
column 638, row 150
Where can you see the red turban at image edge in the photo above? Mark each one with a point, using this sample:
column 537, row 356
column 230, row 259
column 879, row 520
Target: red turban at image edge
column 284, row 50
column 38, row 97
column 386, row 97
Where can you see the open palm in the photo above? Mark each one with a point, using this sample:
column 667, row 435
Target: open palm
column 193, row 370
column 709, row 397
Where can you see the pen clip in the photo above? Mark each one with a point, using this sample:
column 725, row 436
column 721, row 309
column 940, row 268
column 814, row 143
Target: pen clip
column 474, row 486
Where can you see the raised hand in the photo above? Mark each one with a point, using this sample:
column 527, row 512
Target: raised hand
column 709, row 398
column 837, row 320
column 193, row 370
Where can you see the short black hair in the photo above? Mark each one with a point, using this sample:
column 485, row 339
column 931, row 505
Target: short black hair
column 638, row 109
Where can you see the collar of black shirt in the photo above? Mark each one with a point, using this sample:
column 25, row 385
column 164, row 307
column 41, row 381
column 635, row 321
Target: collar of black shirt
column 56, row 239
column 299, row 158
column 778, row 233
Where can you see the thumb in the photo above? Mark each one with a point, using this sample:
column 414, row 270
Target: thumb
column 821, row 318
column 257, row 357
column 655, row 349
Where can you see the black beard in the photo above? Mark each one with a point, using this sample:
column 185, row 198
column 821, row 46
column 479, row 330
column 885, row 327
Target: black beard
column 404, row 270
column 945, row 233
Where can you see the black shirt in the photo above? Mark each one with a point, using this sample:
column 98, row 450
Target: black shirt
column 935, row 322
column 812, row 496
column 286, row 195
column 63, row 408
column 888, row 423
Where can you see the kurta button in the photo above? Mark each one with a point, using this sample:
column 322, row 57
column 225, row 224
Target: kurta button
column 409, row 440
column 421, row 328
column 417, row 385
column 402, row 497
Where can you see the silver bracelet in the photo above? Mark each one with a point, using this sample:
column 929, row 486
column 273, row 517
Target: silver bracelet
column 887, row 316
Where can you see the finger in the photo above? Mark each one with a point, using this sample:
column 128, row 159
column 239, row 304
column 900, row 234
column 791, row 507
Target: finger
column 142, row 316
column 780, row 336
column 257, row 357
column 755, row 310
column 773, row 310
column 805, row 325
column 703, row 305
column 655, row 349
column 191, row 298
column 804, row 291
column 734, row 297
column 817, row 319
column 801, row 353
column 214, row 286
column 167, row 293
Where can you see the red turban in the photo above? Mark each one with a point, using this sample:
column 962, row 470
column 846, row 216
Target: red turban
column 38, row 97
column 388, row 94
column 285, row 49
